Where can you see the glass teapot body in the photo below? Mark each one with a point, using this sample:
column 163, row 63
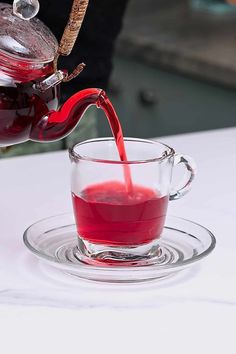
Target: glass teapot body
column 29, row 86
column 18, row 109
column 27, row 50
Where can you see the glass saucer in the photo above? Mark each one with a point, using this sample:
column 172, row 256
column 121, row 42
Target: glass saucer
column 183, row 243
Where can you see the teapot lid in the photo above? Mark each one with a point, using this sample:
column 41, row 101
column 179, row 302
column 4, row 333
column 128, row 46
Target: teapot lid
column 29, row 41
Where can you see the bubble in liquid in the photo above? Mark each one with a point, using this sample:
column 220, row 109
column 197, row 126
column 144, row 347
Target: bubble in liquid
column 25, row 9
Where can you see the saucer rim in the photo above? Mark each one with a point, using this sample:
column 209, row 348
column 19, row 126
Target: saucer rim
column 158, row 267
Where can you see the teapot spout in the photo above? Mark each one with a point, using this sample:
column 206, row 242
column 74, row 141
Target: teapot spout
column 54, row 125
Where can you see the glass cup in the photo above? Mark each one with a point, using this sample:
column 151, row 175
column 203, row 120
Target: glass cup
column 120, row 207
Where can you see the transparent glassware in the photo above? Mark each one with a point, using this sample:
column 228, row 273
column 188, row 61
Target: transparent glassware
column 120, row 207
column 183, row 244
column 30, row 82
column 27, row 50
column 25, row 9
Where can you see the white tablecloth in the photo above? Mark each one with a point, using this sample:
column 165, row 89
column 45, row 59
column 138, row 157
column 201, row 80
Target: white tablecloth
column 43, row 310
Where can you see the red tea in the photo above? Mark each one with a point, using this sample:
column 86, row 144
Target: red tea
column 19, row 110
column 108, row 214
column 117, row 132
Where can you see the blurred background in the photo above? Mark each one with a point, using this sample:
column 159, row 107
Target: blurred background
column 174, row 71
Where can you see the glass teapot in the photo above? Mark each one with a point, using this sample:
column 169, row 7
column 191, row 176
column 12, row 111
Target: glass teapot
column 30, row 84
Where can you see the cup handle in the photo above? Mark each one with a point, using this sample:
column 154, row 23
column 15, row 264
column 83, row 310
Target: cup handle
column 186, row 184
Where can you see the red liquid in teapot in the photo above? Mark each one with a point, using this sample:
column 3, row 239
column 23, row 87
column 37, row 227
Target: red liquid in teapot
column 18, row 111
column 107, row 214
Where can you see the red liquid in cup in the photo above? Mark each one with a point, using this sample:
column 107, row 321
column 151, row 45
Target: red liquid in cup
column 107, row 214
column 119, row 214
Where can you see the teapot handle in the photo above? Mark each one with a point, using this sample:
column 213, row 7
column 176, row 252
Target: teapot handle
column 70, row 35
column 73, row 26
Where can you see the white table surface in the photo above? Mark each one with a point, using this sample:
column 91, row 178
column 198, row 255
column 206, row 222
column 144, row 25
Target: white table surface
column 43, row 311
